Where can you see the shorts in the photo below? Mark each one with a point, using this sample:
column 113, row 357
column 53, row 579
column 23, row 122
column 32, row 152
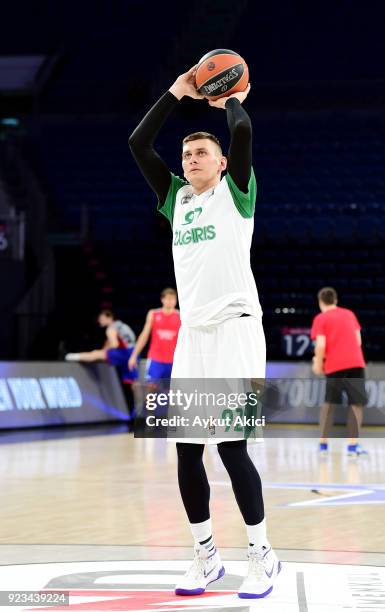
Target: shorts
column 156, row 370
column 119, row 357
column 233, row 350
column 351, row 381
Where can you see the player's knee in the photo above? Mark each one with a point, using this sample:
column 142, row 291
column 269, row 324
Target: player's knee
column 189, row 453
column 228, row 451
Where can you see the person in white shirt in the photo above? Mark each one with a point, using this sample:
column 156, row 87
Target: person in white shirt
column 212, row 220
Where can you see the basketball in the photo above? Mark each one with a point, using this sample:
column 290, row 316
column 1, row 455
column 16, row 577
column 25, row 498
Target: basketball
column 221, row 73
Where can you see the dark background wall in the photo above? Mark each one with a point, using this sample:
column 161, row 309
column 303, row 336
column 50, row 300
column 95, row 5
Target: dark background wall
column 92, row 237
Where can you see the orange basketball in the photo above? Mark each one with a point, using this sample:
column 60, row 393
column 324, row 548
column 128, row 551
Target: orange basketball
column 221, row 73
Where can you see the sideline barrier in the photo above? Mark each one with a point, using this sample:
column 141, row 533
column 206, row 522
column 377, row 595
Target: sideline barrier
column 301, row 394
column 36, row 394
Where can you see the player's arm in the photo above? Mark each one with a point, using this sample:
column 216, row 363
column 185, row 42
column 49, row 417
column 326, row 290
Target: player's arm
column 142, row 139
column 357, row 328
column 112, row 338
column 239, row 158
column 319, row 354
column 142, row 340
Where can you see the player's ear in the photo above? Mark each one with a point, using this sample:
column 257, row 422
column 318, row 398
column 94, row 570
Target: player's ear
column 223, row 163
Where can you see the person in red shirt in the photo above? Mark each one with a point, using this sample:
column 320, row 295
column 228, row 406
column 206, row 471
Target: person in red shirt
column 162, row 324
column 338, row 354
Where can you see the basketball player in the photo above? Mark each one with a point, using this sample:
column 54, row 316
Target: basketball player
column 338, row 354
column 117, row 349
column 162, row 324
column 221, row 334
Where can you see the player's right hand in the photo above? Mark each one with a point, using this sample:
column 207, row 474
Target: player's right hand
column 132, row 362
column 185, row 85
column 317, row 367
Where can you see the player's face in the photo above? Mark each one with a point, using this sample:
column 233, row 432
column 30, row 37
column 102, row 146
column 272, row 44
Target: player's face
column 202, row 162
column 169, row 301
column 103, row 320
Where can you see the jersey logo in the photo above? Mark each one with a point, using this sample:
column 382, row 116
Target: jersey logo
column 195, row 234
column 166, row 334
column 186, row 199
column 190, row 216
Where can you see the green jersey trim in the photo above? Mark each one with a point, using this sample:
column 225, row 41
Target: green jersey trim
column 167, row 208
column 244, row 202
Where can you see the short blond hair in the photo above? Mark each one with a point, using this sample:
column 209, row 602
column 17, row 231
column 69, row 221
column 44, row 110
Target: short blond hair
column 168, row 291
column 200, row 136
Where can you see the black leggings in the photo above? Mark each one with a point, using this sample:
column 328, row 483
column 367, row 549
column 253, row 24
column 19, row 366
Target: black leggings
column 194, row 486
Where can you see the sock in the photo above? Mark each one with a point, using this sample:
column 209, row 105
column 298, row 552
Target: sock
column 257, row 534
column 208, row 545
column 72, row 357
column 202, row 534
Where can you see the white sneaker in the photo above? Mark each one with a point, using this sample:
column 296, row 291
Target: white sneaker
column 72, row 357
column 204, row 570
column 264, row 567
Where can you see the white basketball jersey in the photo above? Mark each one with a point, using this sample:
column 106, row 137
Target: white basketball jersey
column 212, row 235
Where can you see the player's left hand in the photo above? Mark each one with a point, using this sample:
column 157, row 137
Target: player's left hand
column 240, row 95
column 132, row 362
column 317, row 367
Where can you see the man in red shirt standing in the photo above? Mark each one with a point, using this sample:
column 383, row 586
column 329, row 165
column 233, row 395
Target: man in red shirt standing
column 163, row 325
column 338, row 355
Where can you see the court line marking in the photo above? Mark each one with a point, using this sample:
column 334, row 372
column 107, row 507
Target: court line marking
column 301, row 592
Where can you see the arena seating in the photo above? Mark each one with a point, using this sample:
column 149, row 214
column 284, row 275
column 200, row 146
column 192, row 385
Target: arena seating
column 321, row 189
column 320, row 217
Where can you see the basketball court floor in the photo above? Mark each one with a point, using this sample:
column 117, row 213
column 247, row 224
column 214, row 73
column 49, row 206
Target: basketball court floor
column 99, row 517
